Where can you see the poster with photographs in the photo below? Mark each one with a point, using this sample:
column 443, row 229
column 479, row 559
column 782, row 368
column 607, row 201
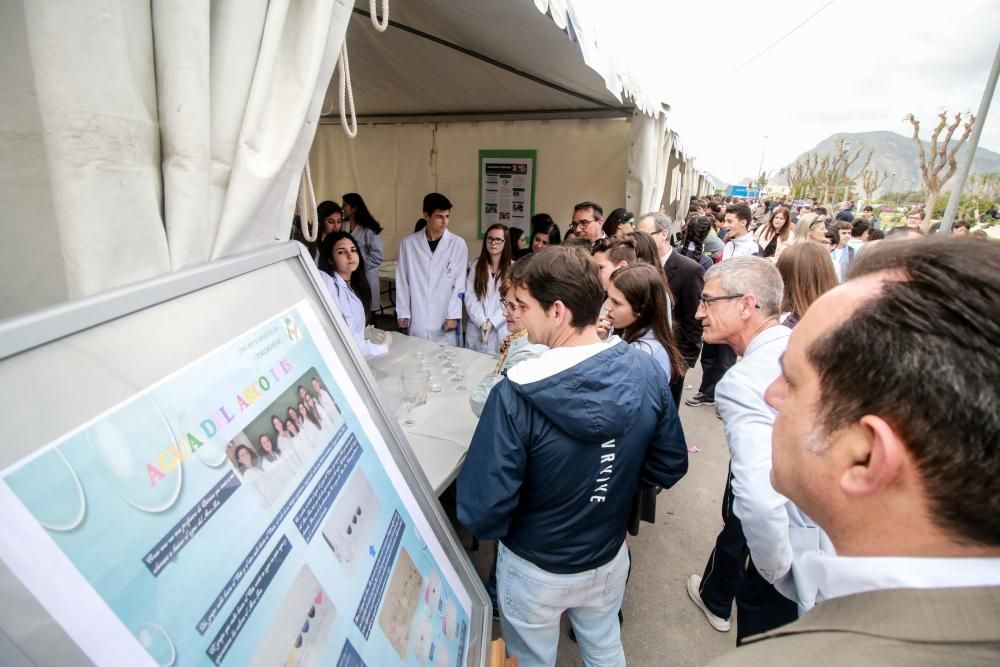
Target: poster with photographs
column 506, row 188
column 244, row 510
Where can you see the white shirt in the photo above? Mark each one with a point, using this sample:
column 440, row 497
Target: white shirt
column 482, row 310
column 773, row 526
column 740, row 246
column 820, row 576
column 354, row 313
column 429, row 284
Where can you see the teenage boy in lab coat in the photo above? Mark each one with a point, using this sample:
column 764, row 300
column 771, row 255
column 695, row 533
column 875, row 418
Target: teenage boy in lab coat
column 430, row 276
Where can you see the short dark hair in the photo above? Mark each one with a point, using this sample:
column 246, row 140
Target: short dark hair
column 435, row 201
column 867, row 208
column 584, row 205
column 942, row 312
column 741, row 211
column 821, row 210
column 859, row 227
column 844, row 224
column 562, row 273
column 962, row 223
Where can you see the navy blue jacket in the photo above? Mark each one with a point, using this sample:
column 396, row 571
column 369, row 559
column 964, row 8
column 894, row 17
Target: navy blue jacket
column 554, row 463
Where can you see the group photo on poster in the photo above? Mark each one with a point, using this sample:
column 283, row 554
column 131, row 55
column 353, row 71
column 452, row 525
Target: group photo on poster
column 244, row 511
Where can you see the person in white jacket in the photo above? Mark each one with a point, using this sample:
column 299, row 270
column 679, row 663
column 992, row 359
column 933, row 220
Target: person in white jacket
column 430, row 276
column 349, row 288
column 365, row 229
column 487, row 326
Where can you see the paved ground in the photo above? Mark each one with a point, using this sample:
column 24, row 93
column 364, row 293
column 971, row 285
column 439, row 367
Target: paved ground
column 662, row 626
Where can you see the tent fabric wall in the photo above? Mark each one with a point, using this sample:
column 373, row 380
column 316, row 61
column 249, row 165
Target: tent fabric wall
column 161, row 134
column 650, row 143
column 393, row 166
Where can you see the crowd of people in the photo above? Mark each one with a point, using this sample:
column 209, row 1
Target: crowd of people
column 860, row 509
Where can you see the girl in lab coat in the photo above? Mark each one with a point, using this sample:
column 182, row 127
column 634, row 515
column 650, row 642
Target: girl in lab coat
column 365, row 229
column 349, row 287
column 430, row 276
column 487, row 325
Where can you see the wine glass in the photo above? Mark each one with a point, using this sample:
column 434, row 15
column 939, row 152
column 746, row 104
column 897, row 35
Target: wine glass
column 414, row 393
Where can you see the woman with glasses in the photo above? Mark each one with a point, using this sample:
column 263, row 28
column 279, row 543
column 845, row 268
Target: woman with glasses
column 487, row 325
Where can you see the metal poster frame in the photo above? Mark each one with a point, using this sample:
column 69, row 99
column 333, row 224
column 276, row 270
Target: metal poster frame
column 29, row 632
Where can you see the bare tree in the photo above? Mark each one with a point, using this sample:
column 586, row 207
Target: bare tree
column 872, row 180
column 940, row 165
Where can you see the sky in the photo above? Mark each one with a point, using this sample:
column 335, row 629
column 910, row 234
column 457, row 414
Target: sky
column 857, row 65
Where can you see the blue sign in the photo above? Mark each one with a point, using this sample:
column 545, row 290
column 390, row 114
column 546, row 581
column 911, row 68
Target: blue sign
column 743, row 191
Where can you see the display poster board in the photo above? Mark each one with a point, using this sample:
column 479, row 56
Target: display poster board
column 253, row 506
column 506, row 188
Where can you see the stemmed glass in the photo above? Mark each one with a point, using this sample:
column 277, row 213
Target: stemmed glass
column 414, row 394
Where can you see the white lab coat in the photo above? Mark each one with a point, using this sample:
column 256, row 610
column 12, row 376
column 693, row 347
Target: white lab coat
column 429, row 285
column 354, row 313
column 370, row 247
column 481, row 310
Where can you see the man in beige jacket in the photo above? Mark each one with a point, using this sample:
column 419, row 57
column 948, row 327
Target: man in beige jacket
column 897, row 460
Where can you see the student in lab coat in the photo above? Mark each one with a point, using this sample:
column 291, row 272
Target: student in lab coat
column 365, row 229
column 348, row 285
column 487, row 324
column 430, row 276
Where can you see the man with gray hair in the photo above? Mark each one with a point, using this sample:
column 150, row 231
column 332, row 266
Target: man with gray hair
column 739, row 306
column 685, row 278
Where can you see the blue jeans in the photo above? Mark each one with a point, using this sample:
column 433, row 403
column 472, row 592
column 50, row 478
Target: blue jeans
column 532, row 601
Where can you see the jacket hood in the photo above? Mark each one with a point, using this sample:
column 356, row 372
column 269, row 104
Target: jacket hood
column 590, row 399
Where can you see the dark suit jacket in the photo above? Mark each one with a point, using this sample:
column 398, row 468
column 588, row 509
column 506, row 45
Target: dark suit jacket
column 904, row 626
column 686, row 278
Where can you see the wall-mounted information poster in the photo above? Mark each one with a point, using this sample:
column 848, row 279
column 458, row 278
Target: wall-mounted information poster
column 506, row 188
column 244, row 510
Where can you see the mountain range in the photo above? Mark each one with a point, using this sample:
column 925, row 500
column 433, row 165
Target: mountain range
column 894, row 152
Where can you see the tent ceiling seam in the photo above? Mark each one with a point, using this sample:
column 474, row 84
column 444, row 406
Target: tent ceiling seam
column 491, row 61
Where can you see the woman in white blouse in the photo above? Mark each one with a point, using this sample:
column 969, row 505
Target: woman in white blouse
column 349, row 288
column 487, row 324
column 365, row 229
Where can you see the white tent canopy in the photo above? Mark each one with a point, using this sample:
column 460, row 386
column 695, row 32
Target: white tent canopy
column 141, row 139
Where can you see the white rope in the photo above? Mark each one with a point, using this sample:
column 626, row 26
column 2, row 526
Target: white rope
column 308, row 222
column 380, row 26
column 346, row 94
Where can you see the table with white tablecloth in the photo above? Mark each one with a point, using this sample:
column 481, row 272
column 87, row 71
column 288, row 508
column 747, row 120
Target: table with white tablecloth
column 444, row 425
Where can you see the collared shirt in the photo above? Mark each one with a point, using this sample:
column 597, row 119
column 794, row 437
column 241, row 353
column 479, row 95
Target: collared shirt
column 775, row 529
column 821, row 576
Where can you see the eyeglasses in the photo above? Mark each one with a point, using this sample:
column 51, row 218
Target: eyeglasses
column 580, row 223
column 494, row 241
column 510, row 305
column 708, row 300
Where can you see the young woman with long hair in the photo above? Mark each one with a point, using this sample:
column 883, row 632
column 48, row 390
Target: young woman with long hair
column 347, row 283
column 773, row 235
column 637, row 309
column 807, row 272
column 483, row 300
column 365, row 230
